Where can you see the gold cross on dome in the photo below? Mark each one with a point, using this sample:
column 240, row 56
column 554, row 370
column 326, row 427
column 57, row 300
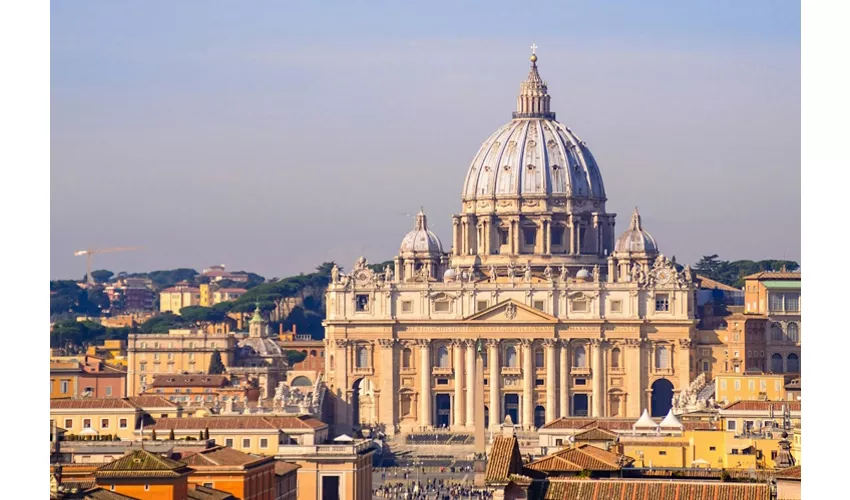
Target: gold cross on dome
column 533, row 48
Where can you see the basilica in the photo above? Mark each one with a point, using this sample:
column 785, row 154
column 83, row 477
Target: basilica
column 568, row 317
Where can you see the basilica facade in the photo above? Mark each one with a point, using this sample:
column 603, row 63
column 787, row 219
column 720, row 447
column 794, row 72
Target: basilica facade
column 567, row 317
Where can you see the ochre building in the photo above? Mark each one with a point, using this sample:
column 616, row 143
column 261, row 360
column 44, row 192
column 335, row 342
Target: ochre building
column 568, row 318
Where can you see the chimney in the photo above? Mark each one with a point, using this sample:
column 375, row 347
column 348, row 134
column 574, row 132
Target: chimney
column 280, row 330
column 294, row 329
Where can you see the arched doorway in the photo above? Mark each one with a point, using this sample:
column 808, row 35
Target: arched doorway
column 539, row 416
column 662, row 397
column 444, row 410
column 776, row 363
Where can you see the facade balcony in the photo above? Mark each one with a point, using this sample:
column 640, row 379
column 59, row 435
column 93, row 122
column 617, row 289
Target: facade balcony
column 363, row 370
column 442, row 370
column 511, row 370
column 580, row 370
column 662, row 371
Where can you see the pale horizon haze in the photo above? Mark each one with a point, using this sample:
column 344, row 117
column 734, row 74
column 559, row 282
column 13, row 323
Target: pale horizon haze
column 273, row 136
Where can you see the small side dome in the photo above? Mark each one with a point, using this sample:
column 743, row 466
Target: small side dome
column 582, row 274
column 449, row 275
column 635, row 239
column 420, row 240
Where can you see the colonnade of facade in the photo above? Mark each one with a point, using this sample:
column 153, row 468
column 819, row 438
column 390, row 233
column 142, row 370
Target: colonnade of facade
column 422, row 384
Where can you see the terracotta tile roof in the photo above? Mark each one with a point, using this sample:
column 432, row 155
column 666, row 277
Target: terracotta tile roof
column 231, row 290
column 652, row 442
column 182, row 289
column 584, row 457
column 89, row 403
column 222, row 456
column 559, row 489
column 142, row 463
column 198, row 492
column 710, row 284
column 282, row 468
column 596, row 434
column 755, row 405
column 169, row 380
column 236, row 422
column 98, row 493
column 152, row 402
column 770, row 275
column 504, row 459
column 795, row 472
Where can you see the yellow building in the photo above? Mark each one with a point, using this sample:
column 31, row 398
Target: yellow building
column 344, row 468
column 96, row 417
column 759, row 416
column 733, row 387
column 175, row 352
column 113, row 352
column 211, row 294
column 262, row 435
column 177, row 297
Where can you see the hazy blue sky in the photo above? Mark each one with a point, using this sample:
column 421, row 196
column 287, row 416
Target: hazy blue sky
column 272, row 136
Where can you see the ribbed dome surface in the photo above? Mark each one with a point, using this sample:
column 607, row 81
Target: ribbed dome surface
column 421, row 240
column 533, row 157
column 260, row 346
column 636, row 239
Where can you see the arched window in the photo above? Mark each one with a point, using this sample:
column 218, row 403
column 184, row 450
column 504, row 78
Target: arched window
column 301, row 382
column 510, row 357
column 615, row 357
column 793, row 363
column 776, row 363
column 405, row 358
column 793, row 334
column 313, row 353
column 443, row 357
column 580, row 357
column 362, row 357
column 538, row 358
column 775, row 332
column 662, row 358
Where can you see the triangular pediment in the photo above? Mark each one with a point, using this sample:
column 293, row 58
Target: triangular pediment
column 511, row 311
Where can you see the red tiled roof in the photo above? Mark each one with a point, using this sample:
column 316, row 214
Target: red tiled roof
column 790, row 473
column 755, row 405
column 596, row 434
column 236, row 422
column 221, row 456
column 282, row 468
column 142, row 463
column 559, row 489
column 169, row 380
column 584, row 457
column 89, row 403
column 770, row 275
column 151, row 401
column 504, row 459
column 710, row 284
column 181, row 289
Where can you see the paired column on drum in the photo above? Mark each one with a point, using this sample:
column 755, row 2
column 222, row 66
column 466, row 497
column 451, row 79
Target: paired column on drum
column 425, row 382
column 457, row 345
column 470, row 384
column 551, row 395
column 495, row 383
column 527, row 384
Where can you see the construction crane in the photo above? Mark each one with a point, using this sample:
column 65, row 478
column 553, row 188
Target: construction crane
column 89, row 253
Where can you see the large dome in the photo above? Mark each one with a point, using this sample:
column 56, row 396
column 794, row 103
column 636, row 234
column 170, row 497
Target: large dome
column 533, row 155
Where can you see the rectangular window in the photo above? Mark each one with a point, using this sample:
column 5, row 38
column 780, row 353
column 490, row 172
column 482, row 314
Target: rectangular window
column 122, row 423
column 63, row 387
column 539, row 305
column 539, row 382
column 228, row 442
column 579, row 306
column 503, row 235
column 731, row 425
column 86, row 423
column 557, row 236
column 147, row 487
column 530, row 236
column 208, row 485
column 662, row 453
column 734, row 451
column 108, row 391
column 481, row 305
column 662, row 302
column 68, row 423
column 737, row 385
column 442, row 381
column 751, row 385
column 763, row 385
column 441, row 306
column 616, row 306
column 712, row 448
column 775, row 301
column 723, row 384
column 246, row 442
column 264, row 443
column 361, row 302
column 581, row 381
column 407, row 306
column 705, row 366
column 104, row 423
column 776, row 386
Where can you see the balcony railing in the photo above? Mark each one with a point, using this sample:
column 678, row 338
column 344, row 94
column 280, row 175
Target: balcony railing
column 580, row 370
column 441, row 370
column 511, row 370
column 363, row 370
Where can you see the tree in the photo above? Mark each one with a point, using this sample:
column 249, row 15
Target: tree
column 202, row 315
column 171, row 435
column 216, row 366
column 102, row 275
column 294, row 356
column 164, row 322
